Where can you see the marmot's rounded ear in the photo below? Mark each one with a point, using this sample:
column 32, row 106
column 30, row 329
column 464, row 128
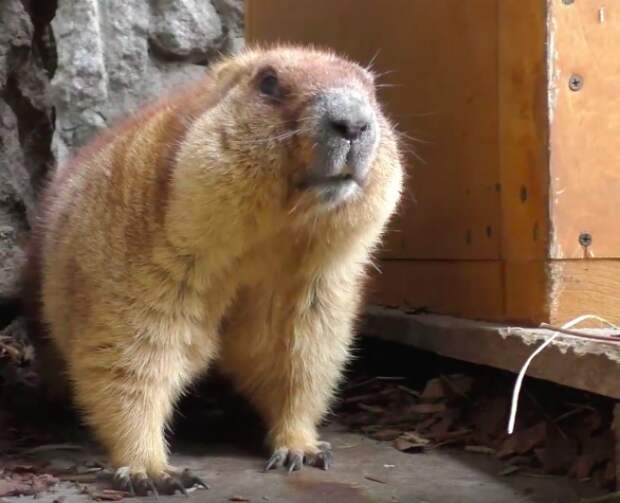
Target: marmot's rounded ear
column 226, row 72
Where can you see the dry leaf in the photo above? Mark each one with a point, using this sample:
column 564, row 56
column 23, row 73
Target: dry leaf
column 523, row 441
column 386, row 435
column 434, row 390
column 415, row 438
column 479, row 449
column 427, row 408
column 509, row 470
column 558, row 454
column 459, row 384
column 109, row 495
column 11, row 487
column 371, row 408
column 405, row 446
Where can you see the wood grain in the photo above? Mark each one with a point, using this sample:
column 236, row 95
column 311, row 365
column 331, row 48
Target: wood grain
column 585, row 124
column 588, row 366
column 442, row 56
column 516, row 167
column 469, row 289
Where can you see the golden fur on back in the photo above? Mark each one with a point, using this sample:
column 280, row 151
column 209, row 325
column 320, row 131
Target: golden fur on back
column 178, row 239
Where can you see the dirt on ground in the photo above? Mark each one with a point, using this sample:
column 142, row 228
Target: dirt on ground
column 417, row 406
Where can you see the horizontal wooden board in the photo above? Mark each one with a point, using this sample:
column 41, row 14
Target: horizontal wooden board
column 584, row 287
column 526, row 292
column 588, row 366
column 470, row 289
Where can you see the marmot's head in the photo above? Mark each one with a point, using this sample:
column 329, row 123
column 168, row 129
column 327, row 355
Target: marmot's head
column 303, row 118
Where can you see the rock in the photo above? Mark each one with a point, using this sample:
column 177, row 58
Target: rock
column 15, row 32
column 186, row 28
column 115, row 54
column 16, row 202
column 12, row 260
column 232, row 15
column 69, row 70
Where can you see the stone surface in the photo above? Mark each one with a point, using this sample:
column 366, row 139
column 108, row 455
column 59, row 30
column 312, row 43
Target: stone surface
column 185, row 28
column 114, row 54
column 16, row 195
column 69, row 68
column 365, row 471
column 15, row 33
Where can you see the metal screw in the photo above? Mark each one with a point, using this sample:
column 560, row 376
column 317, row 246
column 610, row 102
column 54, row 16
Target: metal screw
column 568, row 2
column 585, row 239
column 575, row 82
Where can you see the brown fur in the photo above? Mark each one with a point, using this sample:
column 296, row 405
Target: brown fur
column 178, row 238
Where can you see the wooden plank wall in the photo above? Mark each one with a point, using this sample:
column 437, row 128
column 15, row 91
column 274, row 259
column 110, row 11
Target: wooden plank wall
column 507, row 166
column 523, row 158
column 442, row 58
column 584, row 112
column 452, row 92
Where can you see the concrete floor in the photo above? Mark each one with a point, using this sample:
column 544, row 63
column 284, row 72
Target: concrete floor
column 440, row 476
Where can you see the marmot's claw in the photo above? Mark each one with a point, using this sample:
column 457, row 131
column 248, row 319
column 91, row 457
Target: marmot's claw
column 294, row 460
column 324, row 459
column 122, row 481
column 144, row 486
column 276, row 460
column 190, row 479
column 139, row 484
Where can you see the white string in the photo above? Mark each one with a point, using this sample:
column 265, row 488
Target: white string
column 517, row 389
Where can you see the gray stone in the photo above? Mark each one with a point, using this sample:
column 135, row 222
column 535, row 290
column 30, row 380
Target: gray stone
column 97, row 61
column 15, row 32
column 16, row 203
column 79, row 87
column 12, row 260
column 232, row 15
column 115, row 54
column 186, row 28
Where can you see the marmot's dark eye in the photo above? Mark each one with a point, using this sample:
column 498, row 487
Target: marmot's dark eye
column 269, row 85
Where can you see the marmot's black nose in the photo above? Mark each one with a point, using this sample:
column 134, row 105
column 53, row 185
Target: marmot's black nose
column 349, row 129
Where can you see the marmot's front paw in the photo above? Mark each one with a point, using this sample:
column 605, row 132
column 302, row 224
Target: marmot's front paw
column 320, row 456
column 138, row 483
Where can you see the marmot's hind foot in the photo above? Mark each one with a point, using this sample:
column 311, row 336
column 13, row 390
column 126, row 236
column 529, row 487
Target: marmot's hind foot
column 294, row 459
column 169, row 482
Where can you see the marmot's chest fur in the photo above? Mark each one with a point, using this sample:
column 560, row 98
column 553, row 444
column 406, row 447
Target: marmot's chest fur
column 230, row 221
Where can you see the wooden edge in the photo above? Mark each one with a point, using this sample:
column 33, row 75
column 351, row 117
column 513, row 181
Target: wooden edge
column 585, row 365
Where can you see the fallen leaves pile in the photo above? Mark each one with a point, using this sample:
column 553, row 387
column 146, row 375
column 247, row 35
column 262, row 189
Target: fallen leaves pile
column 46, row 466
column 553, row 437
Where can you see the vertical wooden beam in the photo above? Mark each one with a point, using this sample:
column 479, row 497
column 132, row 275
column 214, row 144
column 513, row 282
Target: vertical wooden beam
column 524, row 157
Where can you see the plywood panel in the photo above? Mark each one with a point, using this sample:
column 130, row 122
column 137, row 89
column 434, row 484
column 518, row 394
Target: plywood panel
column 524, row 158
column 526, row 292
column 443, row 59
column 470, row 289
column 523, row 129
column 584, row 287
column 585, row 158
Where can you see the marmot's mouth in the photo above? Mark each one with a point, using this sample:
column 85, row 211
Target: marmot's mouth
column 328, row 181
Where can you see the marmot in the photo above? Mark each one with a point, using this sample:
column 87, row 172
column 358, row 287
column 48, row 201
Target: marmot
column 231, row 221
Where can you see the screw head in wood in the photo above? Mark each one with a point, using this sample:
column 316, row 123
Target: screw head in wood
column 585, row 239
column 575, row 82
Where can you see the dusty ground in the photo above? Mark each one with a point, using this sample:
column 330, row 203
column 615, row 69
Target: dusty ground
column 365, row 471
column 219, row 438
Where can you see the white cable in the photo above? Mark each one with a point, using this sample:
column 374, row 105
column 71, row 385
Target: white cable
column 517, row 388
